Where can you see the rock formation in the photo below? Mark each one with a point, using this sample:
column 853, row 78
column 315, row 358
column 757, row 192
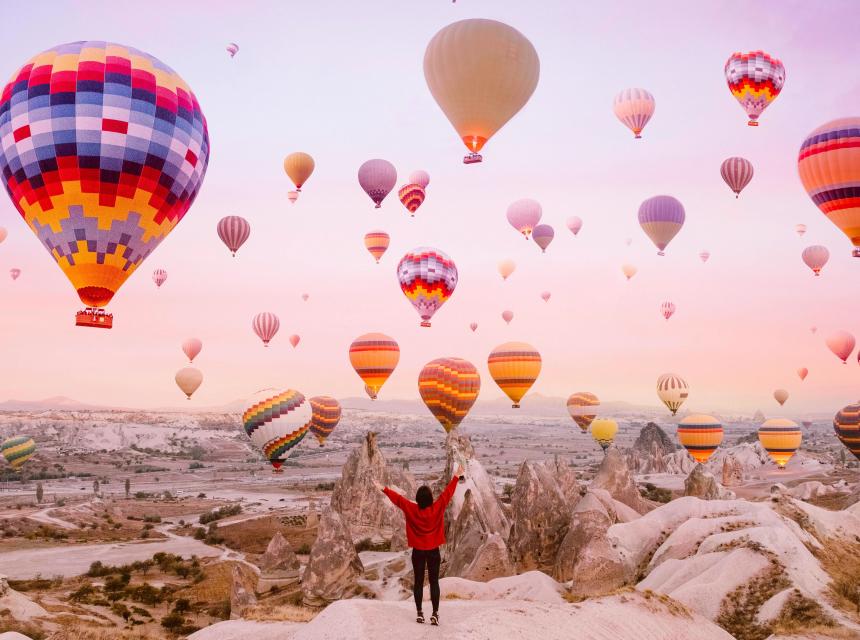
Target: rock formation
column 701, row 483
column 313, row 518
column 649, row 451
column 614, row 476
column 279, row 561
column 241, row 593
column 334, row 567
column 473, row 551
column 733, row 471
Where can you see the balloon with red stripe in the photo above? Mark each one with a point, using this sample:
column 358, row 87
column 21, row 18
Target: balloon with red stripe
column 233, row 231
column 737, row 173
column 266, row 325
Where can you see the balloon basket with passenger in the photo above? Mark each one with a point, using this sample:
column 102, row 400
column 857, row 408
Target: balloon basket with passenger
column 92, row 317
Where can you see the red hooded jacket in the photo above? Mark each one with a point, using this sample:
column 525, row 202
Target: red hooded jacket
column 425, row 528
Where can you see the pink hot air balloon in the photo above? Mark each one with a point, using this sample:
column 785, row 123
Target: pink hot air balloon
column 737, row 173
column 543, row 234
column 159, row 276
column 377, row 177
column 813, row 329
column 800, row 229
column 841, row 343
column 524, row 215
column 14, row 272
column 266, row 325
column 815, row 257
column 704, row 255
column 634, row 108
column 419, row 177
column 667, row 309
column 574, row 223
column 233, row 231
column 232, row 49
column 803, row 372
column 507, row 316
column 661, row 218
column 546, row 296
column 473, row 326
column 294, row 340
column 191, row 347
column 305, row 297
column 292, row 196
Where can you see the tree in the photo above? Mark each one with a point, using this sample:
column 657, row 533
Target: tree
column 40, row 491
column 127, row 487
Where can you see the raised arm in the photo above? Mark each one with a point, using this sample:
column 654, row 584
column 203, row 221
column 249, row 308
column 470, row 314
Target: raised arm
column 398, row 500
column 448, row 493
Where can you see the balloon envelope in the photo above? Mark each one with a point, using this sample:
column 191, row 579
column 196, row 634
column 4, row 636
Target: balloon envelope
column 672, row 391
column 506, row 268
column 377, row 177
column 628, row 270
column 574, row 223
column 582, row 408
column 3, row 233
column 780, row 438
column 700, row 435
column 800, row 229
column 780, row 395
column 411, row 196
column 802, row 373
column 634, row 108
column 232, row 49
column 325, row 414
column 299, row 166
column 543, row 234
column 159, row 277
column 524, row 215
column 846, row 424
column 233, row 231
column 704, row 255
column 449, row 388
column 841, row 343
column 514, row 366
column 661, row 218
column 420, row 177
column 667, row 309
column 277, row 422
column 14, row 272
column 191, row 347
column 374, row 357
column 266, row 325
column 294, row 340
column 603, row 431
column 507, row 316
column 189, row 380
column 473, row 326
column 755, row 80
column 546, row 296
column 427, row 278
column 737, row 173
column 17, row 450
column 376, row 242
column 815, row 257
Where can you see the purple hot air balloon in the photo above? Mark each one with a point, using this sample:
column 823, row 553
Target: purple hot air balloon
column 661, row 218
column 377, row 178
column 543, row 235
column 233, row 231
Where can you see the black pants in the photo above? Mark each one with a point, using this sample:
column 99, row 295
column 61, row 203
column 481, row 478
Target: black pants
column 430, row 559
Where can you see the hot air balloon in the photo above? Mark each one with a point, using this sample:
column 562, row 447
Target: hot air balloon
column 481, row 73
column 411, row 196
column 800, row 229
column 755, row 80
column 191, row 347
column 802, row 373
column 299, row 166
column 813, row 329
column 523, row 215
column 603, row 431
column 634, row 108
column 829, row 168
column 159, row 277
column 780, row 395
column 305, row 297
column 325, row 414
column 276, row 423
column 700, row 435
column 672, row 391
column 581, row 407
column 294, row 340
column 780, row 438
column 574, row 223
column 628, row 270
column 514, row 366
column 841, row 343
column 420, row 177
column 846, row 424
column 266, row 325
column 232, row 49
column 377, row 243
column 661, row 218
column 449, row 388
column 98, row 173
column 815, row 257
column 374, row 357
column 377, row 178
column 545, row 296
column 806, row 423
column 427, row 278
column 737, row 173
column 292, row 196
column 473, row 326
column 506, row 268
column 188, row 379
column 507, row 316
column 543, row 235
column 233, row 231
column 17, row 450
column 667, row 309
column 3, row 234
column 14, row 272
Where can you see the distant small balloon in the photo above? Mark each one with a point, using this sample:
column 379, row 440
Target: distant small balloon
column 546, row 296
column 780, row 395
column 667, row 309
column 15, row 272
column 813, row 329
column 704, row 255
column 233, row 49
column 376, row 242
column 661, row 218
column 233, row 231
column 634, row 108
column 3, row 233
column 299, row 166
column 841, row 343
column 574, row 223
column 159, row 276
column 737, row 173
column 803, row 372
column 419, row 177
column 189, row 380
column 292, row 196
column 524, row 215
column 507, row 316
column 800, row 229
column 628, row 241
column 473, row 326
column 506, row 268
column 294, row 340
column 543, row 234
column 815, row 257
column 266, row 325
column 305, row 297
column 628, row 270
column 411, row 196
column 191, row 348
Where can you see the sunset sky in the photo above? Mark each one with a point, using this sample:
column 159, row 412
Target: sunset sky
column 344, row 82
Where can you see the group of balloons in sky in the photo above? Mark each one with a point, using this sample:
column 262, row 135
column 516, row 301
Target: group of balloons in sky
column 101, row 187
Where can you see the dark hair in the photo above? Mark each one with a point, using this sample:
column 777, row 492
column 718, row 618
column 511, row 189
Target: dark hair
column 424, row 497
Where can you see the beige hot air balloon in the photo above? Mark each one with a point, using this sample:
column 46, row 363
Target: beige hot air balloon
column 481, row 73
column 299, row 167
column 188, row 379
column 506, row 268
column 780, row 395
column 628, row 270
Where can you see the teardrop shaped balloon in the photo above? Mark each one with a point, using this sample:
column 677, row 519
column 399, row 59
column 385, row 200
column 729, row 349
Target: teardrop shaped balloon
column 841, row 343
column 294, row 340
column 543, row 234
column 377, row 177
column 737, row 173
column 473, row 326
column 325, row 414
column 481, row 73
column 829, row 168
column 514, row 366
column 507, row 316
column 3, row 234
column 780, row 395
column 800, row 229
column 755, row 80
column 266, row 325
column 427, row 278
column 191, row 348
column 299, row 166
column 813, row 329
column 292, row 196
column 17, row 450
column 672, row 391
column 305, row 297
column 506, row 268
column 276, row 423
column 781, row 439
column 574, row 223
column 376, row 242
column 846, row 424
column 815, row 257
column 546, row 296
column 374, row 357
column 634, row 108
column 233, row 231
column 704, row 255
column 419, row 177
column 603, row 431
column 189, row 380
column 524, row 215
column 411, row 196
column 582, row 408
column 159, row 277
column 14, row 272
column 661, row 218
column 628, row 270
column 449, row 388
column 232, row 49
column 104, row 151
column 802, row 373
column 700, row 435
column 667, row 309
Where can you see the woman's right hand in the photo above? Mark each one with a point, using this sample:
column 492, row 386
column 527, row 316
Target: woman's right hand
column 459, row 472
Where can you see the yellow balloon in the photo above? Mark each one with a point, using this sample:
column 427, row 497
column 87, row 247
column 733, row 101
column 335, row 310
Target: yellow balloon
column 514, row 366
column 299, row 167
column 603, row 431
column 781, row 439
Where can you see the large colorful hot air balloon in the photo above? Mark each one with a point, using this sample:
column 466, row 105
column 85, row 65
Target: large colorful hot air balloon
column 815, row 257
column 506, row 268
column 17, row 450
column 780, row 438
column 189, row 379
column 420, row 177
column 661, row 218
column 755, row 80
column 377, row 178
column 449, row 388
column 299, row 166
column 628, row 270
column 523, row 215
column 580, row 406
column 191, row 347
column 277, row 423
column 325, row 414
column 411, row 196
column 800, row 229
column 514, row 366
column 841, row 343
column 159, row 277
column 802, row 373
column 737, row 173
column 829, row 168
column 667, row 309
column 846, row 424
column 634, row 107
column 233, row 231
column 780, row 395
column 704, row 255
column 481, row 73
column 574, row 223
column 104, row 151
column 672, row 391
column 507, row 316
column 700, row 435
column 427, row 278
column 603, row 431
column 266, row 325
column 543, row 234
column 377, row 243
column 374, row 357
column 232, row 49
column 14, row 272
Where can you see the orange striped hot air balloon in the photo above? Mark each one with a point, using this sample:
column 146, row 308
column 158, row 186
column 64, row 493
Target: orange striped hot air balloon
column 780, row 438
column 700, row 435
column 374, row 357
column 325, row 414
column 672, row 391
column 411, row 196
column 514, row 366
column 581, row 407
column 377, row 243
column 449, row 388
column 846, row 424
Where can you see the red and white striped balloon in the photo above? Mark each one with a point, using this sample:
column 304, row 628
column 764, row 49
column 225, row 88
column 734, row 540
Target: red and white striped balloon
column 266, row 325
column 634, row 108
column 233, row 231
column 667, row 309
column 159, row 276
column 815, row 257
column 737, row 172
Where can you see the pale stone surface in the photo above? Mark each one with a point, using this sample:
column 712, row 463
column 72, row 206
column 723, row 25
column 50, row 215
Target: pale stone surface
column 334, row 567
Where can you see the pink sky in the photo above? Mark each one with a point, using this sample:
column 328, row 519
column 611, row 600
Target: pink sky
column 347, row 85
